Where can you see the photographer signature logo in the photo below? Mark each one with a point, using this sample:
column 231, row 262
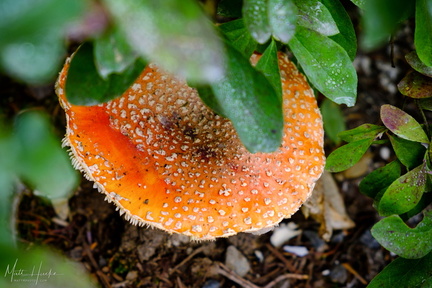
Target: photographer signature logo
column 35, row 274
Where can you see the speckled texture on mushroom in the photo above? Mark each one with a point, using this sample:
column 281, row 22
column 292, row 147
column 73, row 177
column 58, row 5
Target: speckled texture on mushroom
column 168, row 161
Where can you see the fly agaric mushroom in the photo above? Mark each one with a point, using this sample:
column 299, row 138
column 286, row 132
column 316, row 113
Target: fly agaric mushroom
column 166, row 160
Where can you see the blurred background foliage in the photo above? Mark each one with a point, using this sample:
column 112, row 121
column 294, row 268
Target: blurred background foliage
column 209, row 44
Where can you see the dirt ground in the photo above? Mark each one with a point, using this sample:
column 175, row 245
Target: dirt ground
column 118, row 254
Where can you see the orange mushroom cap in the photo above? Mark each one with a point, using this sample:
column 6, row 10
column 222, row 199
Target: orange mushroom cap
column 166, row 160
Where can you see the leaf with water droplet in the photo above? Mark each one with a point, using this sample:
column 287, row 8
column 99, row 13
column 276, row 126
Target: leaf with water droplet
column 380, row 179
column 314, row 15
column 364, row 131
column 415, row 62
column 405, row 273
column 346, row 36
column 402, row 124
column 411, row 243
column 282, row 18
column 326, row 64
column 256, row 19
column 346, row 156
column 404, row 193
column 176, row 35
column 409, row 153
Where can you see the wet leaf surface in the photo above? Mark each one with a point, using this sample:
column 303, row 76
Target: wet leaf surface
column 404, row 193
column 411, row 243
column 416, row 85
column 347, row 155
column 417, row 64
column 402, row 124
column 364, row 131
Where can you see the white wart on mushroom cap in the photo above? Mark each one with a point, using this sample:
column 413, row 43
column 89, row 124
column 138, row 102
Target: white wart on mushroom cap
column 166, row 160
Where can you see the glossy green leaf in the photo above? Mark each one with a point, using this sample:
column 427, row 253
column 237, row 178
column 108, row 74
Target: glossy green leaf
column 346, row 156
column 239, row 37
column 415, row 62
column 268, row 65
column 282, row 18
column 411, row 243
column 333, row 119
column 405, row 273
column 364, row 131
column 424, row 202
column 402, row 124
column 415, row 85
column 230, row 8
column 380, row 179
column 314, row 15
column 326, row 64
column 112, row 53
column 423, row 28
column 31, row 36
column 381, row 18
column 84, row 85
column 346, row 36
column 248, row 99
column 409, row 153
column 42, row 161
column 404, row 193
column 175, row 34
column 256, row 19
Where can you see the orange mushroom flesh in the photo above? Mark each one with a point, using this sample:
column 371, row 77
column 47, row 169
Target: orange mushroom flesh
column 166, row 160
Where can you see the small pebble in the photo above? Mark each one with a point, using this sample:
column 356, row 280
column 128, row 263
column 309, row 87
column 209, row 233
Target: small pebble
column 300, row 251
column 211, row 284
column 236, row 261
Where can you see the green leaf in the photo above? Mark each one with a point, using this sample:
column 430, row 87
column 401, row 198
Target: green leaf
column 364, row 131
column 174, row 34
column 405, row 273
column 346, row 36
column 326, row 64
column 314, row 15
column 256, row 19
column 31, row 36
column 409, row 153
column 415, row 85
column 404, row 193
column 425, row 103
column 411, row 243
column 239, row 37
column 230, row 8
column 39, row 267
column 268, row 65
column 112, row 53
column 423, row 28
column 248, row 99
column 380, row 179
column 333, row 119
column 402, row 124
column 415, row 62
column 84, row 85
column 381, row 18
column 359, row 3
column 346, row 156
column 43, row 163
column 282, row 18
